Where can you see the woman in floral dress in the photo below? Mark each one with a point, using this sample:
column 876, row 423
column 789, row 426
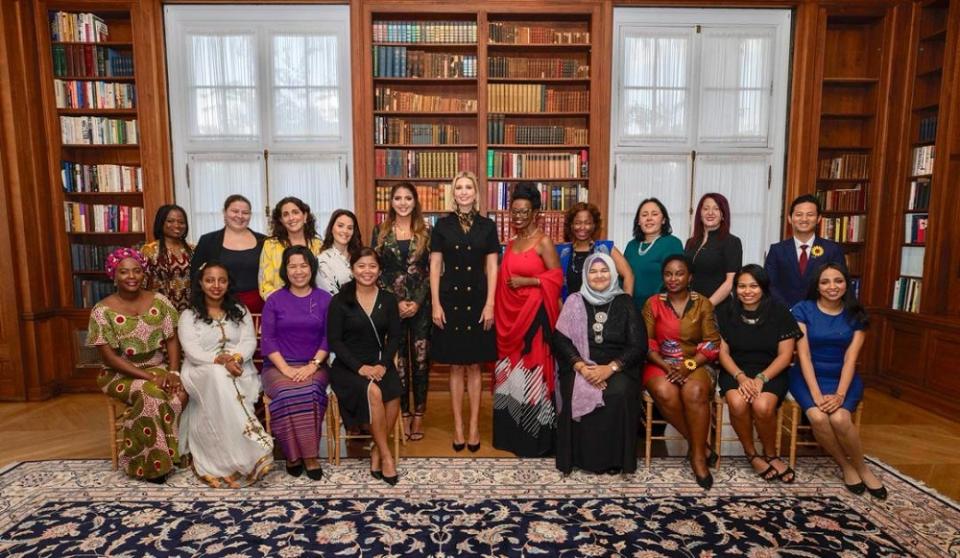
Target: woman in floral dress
column 133, row 329
column 168, row 256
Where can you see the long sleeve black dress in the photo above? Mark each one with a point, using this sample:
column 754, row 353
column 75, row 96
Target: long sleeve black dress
column 356, row 342
column 605, row 439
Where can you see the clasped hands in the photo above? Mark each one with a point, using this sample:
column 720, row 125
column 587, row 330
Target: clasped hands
column 373, row 372
column 300, row 373
column 596, row 374
column 230, row 361
column 749, row 388
column 407, row 308
column 829, row 403
column 676, row 373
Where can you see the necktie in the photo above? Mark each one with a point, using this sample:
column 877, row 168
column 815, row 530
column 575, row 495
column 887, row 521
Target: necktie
column 803, row 259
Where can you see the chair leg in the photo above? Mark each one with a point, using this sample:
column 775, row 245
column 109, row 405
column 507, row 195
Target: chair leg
column 397, row 438
column 329, row 423
column 779, row 429
column 718, row 432
column 112, row 421
column 648, row 434
column 336, row 429
column 794, row 426
column 266, row 414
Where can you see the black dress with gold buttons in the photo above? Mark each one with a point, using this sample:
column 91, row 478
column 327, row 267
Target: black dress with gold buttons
column 463, row 290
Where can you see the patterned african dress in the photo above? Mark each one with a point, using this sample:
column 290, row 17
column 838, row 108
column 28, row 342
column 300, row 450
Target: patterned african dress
column 219, row 427
column 680, row 337
column 169, row 274
column 149, row 424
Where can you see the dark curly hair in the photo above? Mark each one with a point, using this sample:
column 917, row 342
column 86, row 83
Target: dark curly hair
column 855, row 312
column 665, row 229
column 527, row 191
column 572, row 215
column 233, row 309
column 356, row 241
column 311, row 260
column 159, row 219
column 276, row 221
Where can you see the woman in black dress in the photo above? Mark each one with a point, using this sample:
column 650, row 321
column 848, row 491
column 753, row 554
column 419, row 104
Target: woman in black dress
column 758, row 337
column 716, row 254
column 463, row 279
column 364, row 332
column 600, row 345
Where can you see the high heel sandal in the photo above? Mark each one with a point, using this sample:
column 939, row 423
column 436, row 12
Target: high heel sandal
column 765, row 474
column 705, row 482
column 416, row 435
column 788, row 472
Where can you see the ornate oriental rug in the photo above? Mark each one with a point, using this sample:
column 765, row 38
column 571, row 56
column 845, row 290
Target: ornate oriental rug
column 462, row 507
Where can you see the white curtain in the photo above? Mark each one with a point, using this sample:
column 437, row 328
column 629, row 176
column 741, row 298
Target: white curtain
column 665, row 177
column 742, row 179
column 223, row 86
column 655, row 92
column 213, row 177
column 316, row 179
column 306, row 101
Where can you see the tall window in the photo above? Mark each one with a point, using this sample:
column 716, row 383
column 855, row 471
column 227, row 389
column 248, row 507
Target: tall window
column 260, row 106
column 700, row 106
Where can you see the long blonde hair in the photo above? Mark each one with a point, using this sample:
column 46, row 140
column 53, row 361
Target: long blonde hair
column 476, row 188
column 417, row 225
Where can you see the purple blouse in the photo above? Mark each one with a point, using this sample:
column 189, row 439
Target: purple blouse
column 296, row 327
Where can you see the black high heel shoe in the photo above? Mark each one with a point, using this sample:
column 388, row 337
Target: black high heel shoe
column 705, row 482
column 392, row 481
column 474, row 447
column 878, row 493
column 857, row 488
column 458, row 447
column 295, row 470
column 315, row 474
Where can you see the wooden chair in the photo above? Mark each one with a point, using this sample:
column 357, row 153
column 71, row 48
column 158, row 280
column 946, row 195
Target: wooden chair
column 713, row 434
column 791, row 425
column 720, row 403
column 333, row 411
column 114, row 426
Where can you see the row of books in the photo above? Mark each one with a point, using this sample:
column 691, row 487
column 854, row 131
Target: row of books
column 392, row 62
column 91, row 61
column 389, row 99
column 553, row 196
column 906, row 294
column 550, row 223
column 505, row 164
column 533, row 97
column 855, row 287
column 498, row 131
column 430, row 218
column 388, row 130
column 928, row 129
column 425, row 31
column 89, row 257
column 848, row 228
column 852, row 199
column 97, row 130
column 915, row 228
column 78, row 28
column 79, row 177
column 433, row 197
column 919, row 194
column 520, row 67
column 517, row 34
column 922, row 160
column 95, row 217
column 88, row 292
column 93, row 94
column 405, row 163
column 847, row 165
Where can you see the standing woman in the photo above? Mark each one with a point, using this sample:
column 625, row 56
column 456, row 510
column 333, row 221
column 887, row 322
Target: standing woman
column 715, row 253
column 133, row 329
column 291, row 224
column 463, row 280
column 403, row 244
column 758, row 338
column 581, row 227
column 168, row 256
column 528, row 295
column 600, row 344
column 294, row 342
column 683, row 339
column 238, row 248
column 825, row 382
column 219, row 428
column 365, row 333
column 652, row 243
column 341, row 239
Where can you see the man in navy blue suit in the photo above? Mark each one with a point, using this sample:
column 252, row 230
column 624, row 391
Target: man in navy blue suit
column 792, row 262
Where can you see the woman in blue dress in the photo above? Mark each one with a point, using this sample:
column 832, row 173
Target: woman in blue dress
column 581, row 227
column 825, row 382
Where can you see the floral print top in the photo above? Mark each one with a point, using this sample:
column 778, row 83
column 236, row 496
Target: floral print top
column 169, row 275
column 407, row 278
column 137, row 339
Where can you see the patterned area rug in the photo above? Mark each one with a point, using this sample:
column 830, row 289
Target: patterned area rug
column 458, row 507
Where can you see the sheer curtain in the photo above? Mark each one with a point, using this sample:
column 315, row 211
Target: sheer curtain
column 700, row 106
column 262, row 108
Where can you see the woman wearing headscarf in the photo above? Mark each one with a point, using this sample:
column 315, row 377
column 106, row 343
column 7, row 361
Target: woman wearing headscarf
column 135, row 332
column 599, row 344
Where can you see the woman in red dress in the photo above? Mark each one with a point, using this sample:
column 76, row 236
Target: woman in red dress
column 526, row 307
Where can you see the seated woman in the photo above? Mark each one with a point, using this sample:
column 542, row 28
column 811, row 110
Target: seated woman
column 293, row 338
column 758, row 338
column 824, row 381
column 682, row 336
column 229, row 446
column 365, row 334
column 133, row 329
column 599, row 345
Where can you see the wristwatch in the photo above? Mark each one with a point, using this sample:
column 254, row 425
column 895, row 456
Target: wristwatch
column 614, row 366
column 690, row 364
column 316, row 361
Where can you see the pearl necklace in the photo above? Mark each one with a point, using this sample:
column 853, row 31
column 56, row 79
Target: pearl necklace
column 643, row 251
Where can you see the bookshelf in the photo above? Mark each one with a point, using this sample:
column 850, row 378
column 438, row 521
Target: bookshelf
column 848, row 134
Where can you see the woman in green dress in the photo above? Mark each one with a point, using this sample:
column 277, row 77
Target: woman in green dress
column 652, row 243
column 134, row 330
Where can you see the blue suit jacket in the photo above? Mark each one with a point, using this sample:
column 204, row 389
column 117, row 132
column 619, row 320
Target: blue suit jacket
column 783, row 268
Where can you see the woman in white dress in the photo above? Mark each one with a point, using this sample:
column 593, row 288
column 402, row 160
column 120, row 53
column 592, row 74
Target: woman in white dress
column 229, row 446
column 341, row 239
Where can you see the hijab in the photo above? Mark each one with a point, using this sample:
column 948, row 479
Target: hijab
column 593, row 296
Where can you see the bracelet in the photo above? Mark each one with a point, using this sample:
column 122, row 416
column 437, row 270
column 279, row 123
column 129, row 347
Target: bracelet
column 738, row 374
column 238, row 358
column 762, row 378
column 174, row 372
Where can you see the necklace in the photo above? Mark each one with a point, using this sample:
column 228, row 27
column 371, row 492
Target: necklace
column 643, row 251
column 521, row 236
column 600, row 320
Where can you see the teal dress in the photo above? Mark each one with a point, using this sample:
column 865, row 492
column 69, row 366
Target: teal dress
column 647, row 276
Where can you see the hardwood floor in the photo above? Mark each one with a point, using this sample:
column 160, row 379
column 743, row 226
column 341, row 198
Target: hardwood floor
column 916, row 442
